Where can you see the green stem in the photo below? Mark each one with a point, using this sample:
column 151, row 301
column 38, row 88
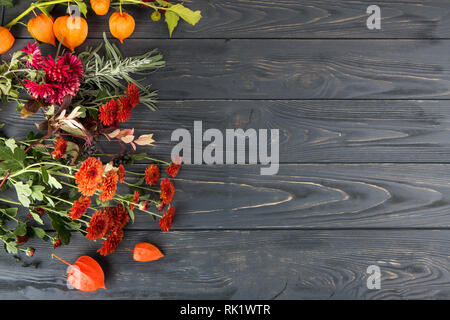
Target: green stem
column 10, row 201
column 143, row 188
column 31, row 8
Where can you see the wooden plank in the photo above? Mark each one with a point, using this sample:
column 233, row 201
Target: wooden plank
column 285, row 19
column 279, row 69
column 297, row 69
column 289, row 264
column 310, row 131
column 309, row 196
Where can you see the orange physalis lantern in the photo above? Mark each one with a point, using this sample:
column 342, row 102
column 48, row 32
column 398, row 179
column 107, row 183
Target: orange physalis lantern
column 85, row 274
column 121, row 25
column 145, row 252
column 41, row 28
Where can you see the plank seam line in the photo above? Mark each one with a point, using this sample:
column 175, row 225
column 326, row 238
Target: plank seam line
column 290, row 229
column 274, row 39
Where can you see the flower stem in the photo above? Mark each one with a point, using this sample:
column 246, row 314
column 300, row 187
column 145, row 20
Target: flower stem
column 64, row 261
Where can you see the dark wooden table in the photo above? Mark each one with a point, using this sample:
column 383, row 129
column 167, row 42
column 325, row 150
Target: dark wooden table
column 364, row 123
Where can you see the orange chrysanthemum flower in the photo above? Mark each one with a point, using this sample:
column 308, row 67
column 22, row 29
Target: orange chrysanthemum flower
column 166, row 222
column 112, row 242
column 109, row 186
column 167, row 191
column 152, row 174
column 135, row 200
column 133, row 94
column 79, row 207
column 100, row 224
column 121, row 173
column 60, row 148
column 90, row 176
column 173, row 169
column 108, row 113
column 123, row 109
column 120, row 216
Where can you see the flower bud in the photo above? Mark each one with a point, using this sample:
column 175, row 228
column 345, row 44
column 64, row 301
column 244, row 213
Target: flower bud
column 30, row 251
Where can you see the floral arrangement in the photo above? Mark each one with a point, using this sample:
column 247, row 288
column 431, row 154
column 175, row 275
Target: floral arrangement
column 72, row 30
column 62, row 175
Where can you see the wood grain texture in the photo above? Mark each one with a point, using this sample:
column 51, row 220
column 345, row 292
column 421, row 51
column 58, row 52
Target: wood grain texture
column 284, row 19
column 309, row 196
column 250, row 265
column 297, row 69
column 310, row 131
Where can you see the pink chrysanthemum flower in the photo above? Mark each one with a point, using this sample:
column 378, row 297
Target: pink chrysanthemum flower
column 38, row 91
column 62, row 77
column 33, row 55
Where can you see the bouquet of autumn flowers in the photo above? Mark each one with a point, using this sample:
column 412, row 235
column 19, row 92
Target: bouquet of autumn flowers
column 62, row 173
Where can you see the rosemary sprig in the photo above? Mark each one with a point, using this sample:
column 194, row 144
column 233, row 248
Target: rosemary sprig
column 107, row 73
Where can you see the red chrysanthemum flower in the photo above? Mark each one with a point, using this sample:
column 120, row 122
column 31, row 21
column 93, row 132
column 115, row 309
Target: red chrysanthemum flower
column 21, row 239
column 56, row 243
column 33, row 55
column 38, row 90
column 100, row 224
column 167, row 191
column 135, row 200
column 109, row 186
column 108, row 113
column 166, row 222
column 112, row 242
column 79, row 207
column 60, row 148
column 90, row 176
column 121, row 173
column 173, row 169
column 133, row 94
column 123, row 109
column 55, row 70
column 120, row 216
column 75, row 65
column 152, row 174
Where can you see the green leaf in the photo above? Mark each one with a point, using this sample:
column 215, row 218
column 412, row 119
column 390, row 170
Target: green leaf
column 191, row 17
column 11, row 144
column 11, row 247
column 82, row 6
column 36, row 217
column 58, row 225
column 44, row 175
column 39, row 232
column 21, row 230
column 23, row 193
column 20, row 156
column 12, row 212
column 50, row 201
column 39, row 148
column 172, row 21
column 53, row 182
column 37, row 192
column 15, row 58
column 138, row 156
column 131, row 213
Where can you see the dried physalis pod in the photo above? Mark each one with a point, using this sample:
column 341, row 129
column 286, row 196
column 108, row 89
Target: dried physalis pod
column 145, row 252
